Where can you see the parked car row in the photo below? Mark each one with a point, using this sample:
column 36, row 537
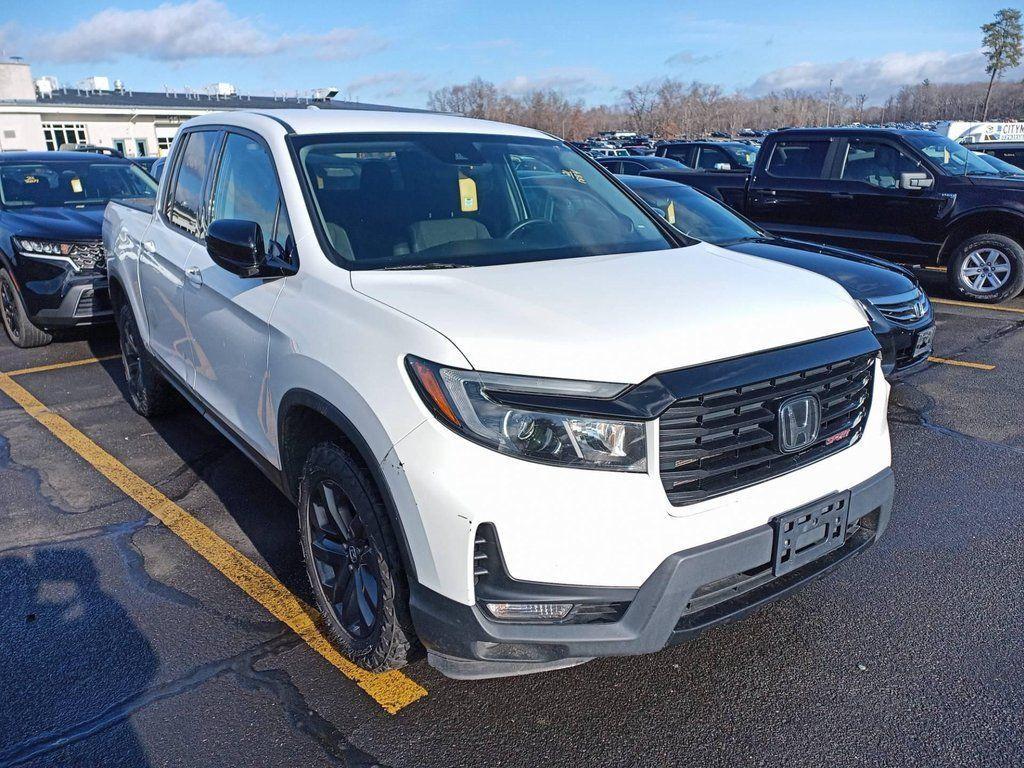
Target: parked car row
column 907, row 195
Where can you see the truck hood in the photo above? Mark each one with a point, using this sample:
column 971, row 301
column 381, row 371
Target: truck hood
column 863, row 277
column 54, row 222
column 618, row 318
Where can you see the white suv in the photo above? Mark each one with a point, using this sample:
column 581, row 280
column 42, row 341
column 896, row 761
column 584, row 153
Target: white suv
column 525, row 422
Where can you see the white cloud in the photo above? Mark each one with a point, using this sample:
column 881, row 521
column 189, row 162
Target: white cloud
column 193, row 29
column 879, row 77
column 388, row 84
column 689, row 57
column 572, row 81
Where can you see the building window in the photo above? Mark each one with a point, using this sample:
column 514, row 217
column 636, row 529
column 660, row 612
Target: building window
column 141, row 148
column 58, row 134
column 163, row 144
column 119, row 145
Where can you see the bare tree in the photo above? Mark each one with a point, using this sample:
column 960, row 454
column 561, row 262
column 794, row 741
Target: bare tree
column 640, row 103
column 1002, row 45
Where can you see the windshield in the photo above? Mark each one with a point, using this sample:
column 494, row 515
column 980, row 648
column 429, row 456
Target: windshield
column 90, row 181
column 744, row 154
column 953, row 158
column 1004, row 168
column 696, row 214
column 405, row 200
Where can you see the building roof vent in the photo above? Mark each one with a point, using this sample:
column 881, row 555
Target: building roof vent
column 325, row 94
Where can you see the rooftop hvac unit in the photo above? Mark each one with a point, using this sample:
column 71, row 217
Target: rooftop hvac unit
column 95, row 83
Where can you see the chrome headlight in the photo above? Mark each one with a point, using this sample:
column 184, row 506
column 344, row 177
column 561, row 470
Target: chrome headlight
column 470, row 403
column 79, row 255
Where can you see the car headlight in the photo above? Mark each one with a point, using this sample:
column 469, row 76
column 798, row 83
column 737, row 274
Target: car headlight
column 469, row 402
column 81, row 256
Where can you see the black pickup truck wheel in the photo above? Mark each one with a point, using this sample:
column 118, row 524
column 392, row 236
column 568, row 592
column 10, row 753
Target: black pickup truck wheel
column 987, row 268
column 19, row 328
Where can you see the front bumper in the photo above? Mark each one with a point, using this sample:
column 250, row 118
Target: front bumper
column 57, row 296
column 689, row 592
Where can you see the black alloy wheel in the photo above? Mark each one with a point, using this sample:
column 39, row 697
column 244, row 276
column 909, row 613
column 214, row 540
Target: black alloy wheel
column 345, row 560
column 9, row 307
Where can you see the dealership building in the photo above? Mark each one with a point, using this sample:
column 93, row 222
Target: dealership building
column 38, row 114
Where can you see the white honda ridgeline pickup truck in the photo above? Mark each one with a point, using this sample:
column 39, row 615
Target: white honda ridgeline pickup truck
column 526, row 423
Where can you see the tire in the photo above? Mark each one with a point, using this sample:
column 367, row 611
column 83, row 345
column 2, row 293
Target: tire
column 20, row 330
column 352, row 561
column 987, row 268
column 149, row 393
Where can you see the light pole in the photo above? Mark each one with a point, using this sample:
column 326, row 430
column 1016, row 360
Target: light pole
column 828, row 108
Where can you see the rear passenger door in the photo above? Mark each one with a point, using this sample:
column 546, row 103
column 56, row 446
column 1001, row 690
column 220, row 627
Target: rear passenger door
column 167, row 247
column 792, row 195
column 229, row 315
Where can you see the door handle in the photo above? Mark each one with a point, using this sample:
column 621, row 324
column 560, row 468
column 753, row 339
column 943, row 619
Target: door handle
column 149, row 246
column 194, row 275
column 840, row 196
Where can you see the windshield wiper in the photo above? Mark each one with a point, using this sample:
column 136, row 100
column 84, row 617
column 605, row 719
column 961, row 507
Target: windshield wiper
column 428, row 265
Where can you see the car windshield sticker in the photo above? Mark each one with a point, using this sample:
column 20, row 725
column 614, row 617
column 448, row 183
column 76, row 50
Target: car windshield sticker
column 467, row 193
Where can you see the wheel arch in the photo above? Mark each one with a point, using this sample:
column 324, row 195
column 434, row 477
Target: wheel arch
column 996, row 221
column 305, row 419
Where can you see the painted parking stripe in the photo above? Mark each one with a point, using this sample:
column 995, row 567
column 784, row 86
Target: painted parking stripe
column 978, row 306
column 58, row 366
column 392, row 690
column 962, row 363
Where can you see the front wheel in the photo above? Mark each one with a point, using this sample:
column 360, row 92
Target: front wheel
column 987, row 268
column 351, row 559
column 21, row 331
column 149, row 393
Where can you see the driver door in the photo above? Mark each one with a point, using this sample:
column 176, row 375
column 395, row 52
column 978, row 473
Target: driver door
column 229, row 315
column 871, row 210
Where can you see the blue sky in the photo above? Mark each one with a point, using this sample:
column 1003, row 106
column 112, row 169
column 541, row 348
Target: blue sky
column 396, row 52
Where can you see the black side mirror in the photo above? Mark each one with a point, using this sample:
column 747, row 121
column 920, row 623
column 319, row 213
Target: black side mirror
column 237, row 246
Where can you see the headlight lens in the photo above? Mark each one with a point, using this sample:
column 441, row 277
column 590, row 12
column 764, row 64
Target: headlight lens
column 464, row 400
column 82, row 256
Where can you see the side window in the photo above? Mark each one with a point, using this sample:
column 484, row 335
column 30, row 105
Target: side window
column 683, row 154
column 186, row 198
column 711, row 157
column 247, row 187
column 628, row 166
column 876, row 163
column 613, row 166
column 798, row 159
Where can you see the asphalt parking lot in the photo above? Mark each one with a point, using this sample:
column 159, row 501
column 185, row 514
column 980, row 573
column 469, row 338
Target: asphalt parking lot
column 154, row 607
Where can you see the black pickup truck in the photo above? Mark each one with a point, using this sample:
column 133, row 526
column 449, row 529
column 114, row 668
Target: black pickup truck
column 899, row 194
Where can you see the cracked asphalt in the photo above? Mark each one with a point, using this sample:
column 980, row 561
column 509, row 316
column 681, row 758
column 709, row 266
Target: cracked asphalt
column 122, row 647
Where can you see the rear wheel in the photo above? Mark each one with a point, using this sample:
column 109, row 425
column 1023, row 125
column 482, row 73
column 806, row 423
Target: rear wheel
column 148, row 391
column 350, row 554
column 987, row 268
column 21, row 331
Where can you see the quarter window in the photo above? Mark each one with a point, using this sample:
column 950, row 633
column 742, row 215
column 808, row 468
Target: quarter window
column 186, row 199
column 711, row 157
column 803, row 159
column 247, row 189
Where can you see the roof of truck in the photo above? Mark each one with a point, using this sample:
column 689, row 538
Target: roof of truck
column 852, row 131
column 317, row 121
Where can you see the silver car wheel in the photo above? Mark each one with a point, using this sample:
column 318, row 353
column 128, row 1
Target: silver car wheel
column 986, row 269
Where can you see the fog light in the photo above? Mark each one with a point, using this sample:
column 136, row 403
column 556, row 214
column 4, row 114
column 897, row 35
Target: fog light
column 529, row 611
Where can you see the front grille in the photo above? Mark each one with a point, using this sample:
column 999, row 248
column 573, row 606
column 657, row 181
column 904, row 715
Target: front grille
column 903, row 309
column 89, row 255
column 719, row 442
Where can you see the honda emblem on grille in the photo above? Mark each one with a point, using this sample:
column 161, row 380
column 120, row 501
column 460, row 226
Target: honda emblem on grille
column 799, row 422
column 919, row 309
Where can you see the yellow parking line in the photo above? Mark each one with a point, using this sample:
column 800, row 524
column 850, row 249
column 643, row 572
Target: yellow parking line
column 962, row 363
column 392, row 690
column 978, row 306
column 58, row 366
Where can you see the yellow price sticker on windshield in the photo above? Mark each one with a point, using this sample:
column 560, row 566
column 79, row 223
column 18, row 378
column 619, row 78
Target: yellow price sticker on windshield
column 31, row 180
column 467, row 194
column 76, row 185
column 670, row 212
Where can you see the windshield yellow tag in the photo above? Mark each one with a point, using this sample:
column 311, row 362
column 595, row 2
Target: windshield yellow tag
column 76, row 186
column 670, row 212
column 31, row 180
column 467, row 193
